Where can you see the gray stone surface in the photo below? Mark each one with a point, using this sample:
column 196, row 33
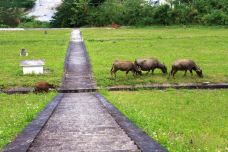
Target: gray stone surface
column 77, row 66
column 81, row 123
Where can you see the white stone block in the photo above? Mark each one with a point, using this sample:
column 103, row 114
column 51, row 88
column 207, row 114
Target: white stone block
column 33, row 70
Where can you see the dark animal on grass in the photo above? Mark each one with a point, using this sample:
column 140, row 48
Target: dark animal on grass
column 150, row 64
column 42, row 87
column 115, row 26
column 185, row 65
column 124, row 66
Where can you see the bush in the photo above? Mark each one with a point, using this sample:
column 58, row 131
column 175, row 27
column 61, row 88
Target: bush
column 29, row 22
column 11, row 11
column 133, row 11
column 216, row 17
column 106, row 14
column 17, row 3
column 162, row 15
column 10, row 16
column 3, row 26
column 72, row 13
column 75, row 13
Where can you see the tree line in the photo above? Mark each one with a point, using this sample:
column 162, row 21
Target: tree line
column 76, row 13
column 12, row 11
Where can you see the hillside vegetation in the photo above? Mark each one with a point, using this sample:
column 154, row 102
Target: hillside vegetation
column 12, row 14
column 75, row 13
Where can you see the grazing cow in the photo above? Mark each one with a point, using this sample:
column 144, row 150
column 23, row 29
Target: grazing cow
column 124, row 66
column 42, row 87
column 115, row 26
column 185, row 65
column 150, row 64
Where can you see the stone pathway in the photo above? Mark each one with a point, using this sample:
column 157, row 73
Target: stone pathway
column 77, row 66
column 80, row 122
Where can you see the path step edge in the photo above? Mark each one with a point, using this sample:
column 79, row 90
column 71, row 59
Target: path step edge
column 23, row 141
column 170, row 85
column 141, row 139
column 127, row 88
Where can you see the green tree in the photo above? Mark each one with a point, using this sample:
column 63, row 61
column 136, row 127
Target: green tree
column 72, row 13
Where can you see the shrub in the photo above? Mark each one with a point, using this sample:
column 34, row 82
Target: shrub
column 106, row 14
column 216, row 17
column 28, row 22
column 162, row 15
column 10, row 16
column 72, row 13
column 11, row 11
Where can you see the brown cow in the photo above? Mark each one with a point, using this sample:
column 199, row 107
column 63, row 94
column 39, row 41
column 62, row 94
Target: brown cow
column 185, row 65
column 42, row 87
column 125, row 66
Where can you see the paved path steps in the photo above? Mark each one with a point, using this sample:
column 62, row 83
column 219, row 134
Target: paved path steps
column 77, row 66
column 80, row 122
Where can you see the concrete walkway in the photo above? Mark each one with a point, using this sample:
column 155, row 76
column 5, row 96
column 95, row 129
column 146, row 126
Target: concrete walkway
column 80, row 122
column 77, row 65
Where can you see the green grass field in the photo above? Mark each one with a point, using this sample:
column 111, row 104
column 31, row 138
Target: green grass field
column 17, row 111
column 180, row 120
column 50, row 47
column 208, row 46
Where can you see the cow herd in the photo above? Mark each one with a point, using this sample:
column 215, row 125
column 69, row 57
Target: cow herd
column 150, row 64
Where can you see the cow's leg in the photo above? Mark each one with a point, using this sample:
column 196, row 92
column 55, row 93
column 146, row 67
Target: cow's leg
column 174, row 72
column 127, row 73
column 111, row 71
column 191, row 72
column 152, row 71
column 185, row 71
column 170, row 73
column 148, row 72
column 133, row 72
column 114, row 71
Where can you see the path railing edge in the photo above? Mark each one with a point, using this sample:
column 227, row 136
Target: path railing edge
column 126, row 88
column 141, row 139
column 170, row 85
column 88, row 61
column 23, row 141
column 66, row 62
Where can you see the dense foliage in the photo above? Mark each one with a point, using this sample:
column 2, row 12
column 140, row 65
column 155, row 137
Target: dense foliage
column 17, row 3
column 74, row 13
column 11, row 11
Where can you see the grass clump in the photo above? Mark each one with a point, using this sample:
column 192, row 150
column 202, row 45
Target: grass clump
column 17, row 111
column 180, row 120
column 51, row 47
column 207, row 46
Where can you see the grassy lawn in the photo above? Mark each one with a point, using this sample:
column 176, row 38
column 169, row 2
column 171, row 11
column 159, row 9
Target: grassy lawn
column 17, row 111
column 51, row 47
column 180, row 120
column 208, row 46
